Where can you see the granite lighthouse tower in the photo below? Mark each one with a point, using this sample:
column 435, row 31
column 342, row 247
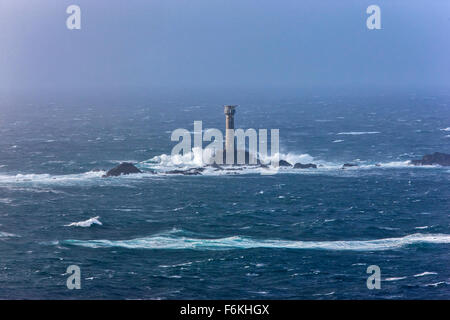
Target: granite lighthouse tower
column 229, row 126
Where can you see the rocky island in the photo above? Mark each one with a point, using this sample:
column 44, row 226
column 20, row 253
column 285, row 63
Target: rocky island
column 122, row 169
column 442, row 159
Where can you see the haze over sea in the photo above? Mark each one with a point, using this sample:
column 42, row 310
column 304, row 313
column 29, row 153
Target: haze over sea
column 299, row 234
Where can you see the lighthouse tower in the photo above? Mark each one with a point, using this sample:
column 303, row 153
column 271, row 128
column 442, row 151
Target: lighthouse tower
column 229, row 126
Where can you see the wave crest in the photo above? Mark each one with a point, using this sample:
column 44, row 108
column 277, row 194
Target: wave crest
column 357, row 133
column 172, row 241
column 86, row 223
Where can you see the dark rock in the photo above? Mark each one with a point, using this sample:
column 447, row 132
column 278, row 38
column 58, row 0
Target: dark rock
column 349, row 165
column 122, row 169
column 284, row 163
column 439, row 158
column 305, row 166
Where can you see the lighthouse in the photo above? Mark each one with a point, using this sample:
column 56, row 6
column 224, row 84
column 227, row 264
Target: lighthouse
column 229, row 126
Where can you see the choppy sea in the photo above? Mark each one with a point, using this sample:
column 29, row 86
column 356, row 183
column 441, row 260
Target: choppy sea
column 298, row 234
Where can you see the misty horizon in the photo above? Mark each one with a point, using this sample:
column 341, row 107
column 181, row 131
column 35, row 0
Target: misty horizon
column 221, row 44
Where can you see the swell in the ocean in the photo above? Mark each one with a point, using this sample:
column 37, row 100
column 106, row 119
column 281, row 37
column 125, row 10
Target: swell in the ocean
column 176, row 240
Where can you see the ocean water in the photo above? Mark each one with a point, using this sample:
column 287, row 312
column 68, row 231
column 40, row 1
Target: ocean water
column 298, row 234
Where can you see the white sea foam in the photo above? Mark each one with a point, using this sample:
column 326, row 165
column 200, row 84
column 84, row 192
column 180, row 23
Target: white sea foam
column 50, row 179
column 165, row 163
column 7, row 235
column 395, row 278
column 445, row 129
column 86, row 178
column 188, row 160
column 436, row 284
column 426, row 273
column 86, row 223
column 357, row 133
column 173, row 240
column 324, row 294
column 395, row 164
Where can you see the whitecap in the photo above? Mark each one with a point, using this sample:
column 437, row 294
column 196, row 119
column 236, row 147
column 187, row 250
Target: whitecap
column 426, row 273
column 324, row 294
column 323, row 120
column 7, row 235
column 50, row 179
column 395, row 278
column 436, row 284
column 445, row 129
column 86, row 223
column 357, row 133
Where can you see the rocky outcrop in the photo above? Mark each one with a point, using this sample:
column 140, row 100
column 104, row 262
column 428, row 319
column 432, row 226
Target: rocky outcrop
column 284, row 163
column 305, row 166
column 349, row 165
column 122, row 169
column 442, row 159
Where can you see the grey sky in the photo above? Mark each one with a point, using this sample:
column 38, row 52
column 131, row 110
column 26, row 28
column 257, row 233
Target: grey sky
column 213, row 43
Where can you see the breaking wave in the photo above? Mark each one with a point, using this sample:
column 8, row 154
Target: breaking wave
column 86, row 178
column 165, row 163
column 357, row 133
column 172, row 240
column 191, row 159
column 426, row 273
column 86, row 223
column 50, row 179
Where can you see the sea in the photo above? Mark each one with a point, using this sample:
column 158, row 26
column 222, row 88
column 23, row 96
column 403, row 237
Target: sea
column 225, row 234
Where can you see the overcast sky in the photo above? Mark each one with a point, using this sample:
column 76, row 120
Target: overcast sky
column 213, row 43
